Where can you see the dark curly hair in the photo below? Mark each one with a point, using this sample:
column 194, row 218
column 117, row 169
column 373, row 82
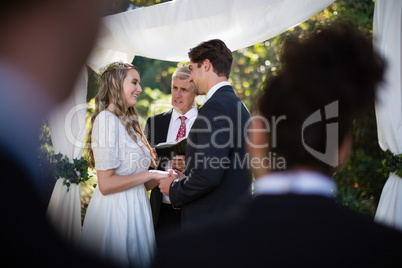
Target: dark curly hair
column 334, row 65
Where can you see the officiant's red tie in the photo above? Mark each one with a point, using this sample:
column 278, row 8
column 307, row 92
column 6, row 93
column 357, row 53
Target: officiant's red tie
column 182, row 130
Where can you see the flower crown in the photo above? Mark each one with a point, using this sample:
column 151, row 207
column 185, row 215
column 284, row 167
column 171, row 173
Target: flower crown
column 117, row 65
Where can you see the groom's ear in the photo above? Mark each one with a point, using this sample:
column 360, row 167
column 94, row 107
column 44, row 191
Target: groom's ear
column 207, row 65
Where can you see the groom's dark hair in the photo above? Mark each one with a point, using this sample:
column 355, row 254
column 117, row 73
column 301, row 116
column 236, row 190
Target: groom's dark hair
column 216, row 52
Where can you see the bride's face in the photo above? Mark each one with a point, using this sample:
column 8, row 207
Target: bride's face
column 131, row 88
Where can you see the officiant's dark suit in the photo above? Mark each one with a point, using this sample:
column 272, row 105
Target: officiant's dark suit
column 167, row 127
column 156, row 131
column 295, row 220
column 161, row 124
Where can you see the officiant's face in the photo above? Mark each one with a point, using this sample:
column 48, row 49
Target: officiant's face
column 131, row 88
column 183, row 95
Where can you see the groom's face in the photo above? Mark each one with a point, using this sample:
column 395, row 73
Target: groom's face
column 197, row 76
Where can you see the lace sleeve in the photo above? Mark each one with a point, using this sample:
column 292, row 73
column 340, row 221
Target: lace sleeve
column 105, row 144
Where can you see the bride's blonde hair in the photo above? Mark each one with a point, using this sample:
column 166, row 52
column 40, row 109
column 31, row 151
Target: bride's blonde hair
column 110, row 91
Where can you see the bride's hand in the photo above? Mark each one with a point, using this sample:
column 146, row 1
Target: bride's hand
column 165, row 182
column 155, row 177
column 158, row 174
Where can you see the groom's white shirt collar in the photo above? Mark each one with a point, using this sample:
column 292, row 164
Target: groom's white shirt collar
column 216, row 87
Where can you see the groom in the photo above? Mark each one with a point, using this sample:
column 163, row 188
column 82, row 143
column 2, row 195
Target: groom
column 214, row 178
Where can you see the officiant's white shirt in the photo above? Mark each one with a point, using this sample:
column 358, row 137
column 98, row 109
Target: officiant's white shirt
column 175, row 122
column 174, row 126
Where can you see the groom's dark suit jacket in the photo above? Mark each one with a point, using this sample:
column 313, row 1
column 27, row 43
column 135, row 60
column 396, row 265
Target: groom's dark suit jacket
column 156, row 131
column 284, row 231
column 216, row 164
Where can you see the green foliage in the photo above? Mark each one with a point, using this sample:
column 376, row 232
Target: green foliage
column 58, row 165
column 391, row 163
column 356, row 201
column 93, row 85
column 155, row 73
column 359, row 174
column 75, row 172
column 151, row 102
column 147, row 2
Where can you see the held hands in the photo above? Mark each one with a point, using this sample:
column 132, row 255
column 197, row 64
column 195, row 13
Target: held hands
column 158, row 174
column 155, row 176
column 165, row 178
column 164, row 182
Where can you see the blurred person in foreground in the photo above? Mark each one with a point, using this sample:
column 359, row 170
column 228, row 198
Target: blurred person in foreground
column 44, row 47
column 324, row 82
column 171, row 126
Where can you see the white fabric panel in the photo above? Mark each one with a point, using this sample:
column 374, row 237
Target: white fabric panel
column 389, row 209
column 387, row 31
column 167, row 31
column 64, row 211
column 67, row 125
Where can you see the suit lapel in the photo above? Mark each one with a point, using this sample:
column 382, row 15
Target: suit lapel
column 164, row 125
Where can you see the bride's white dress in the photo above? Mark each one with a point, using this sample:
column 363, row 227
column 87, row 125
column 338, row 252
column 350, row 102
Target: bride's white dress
column 119, row 226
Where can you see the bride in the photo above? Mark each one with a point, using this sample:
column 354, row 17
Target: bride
column 118, row 222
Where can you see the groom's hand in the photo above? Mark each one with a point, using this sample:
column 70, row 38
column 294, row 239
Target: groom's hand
column 164, row 183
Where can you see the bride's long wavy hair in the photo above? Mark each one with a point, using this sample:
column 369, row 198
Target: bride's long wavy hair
column 110, row 91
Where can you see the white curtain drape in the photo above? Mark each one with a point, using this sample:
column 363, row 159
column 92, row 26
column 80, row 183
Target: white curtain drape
column 167, row 31
column 387, row 32
column 67, row 124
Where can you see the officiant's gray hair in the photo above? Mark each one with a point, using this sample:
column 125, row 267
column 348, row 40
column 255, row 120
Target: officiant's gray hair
column 183, row 73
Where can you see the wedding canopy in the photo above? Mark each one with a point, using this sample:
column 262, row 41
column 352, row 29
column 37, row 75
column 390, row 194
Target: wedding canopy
column 387, row 31
column 165, row 31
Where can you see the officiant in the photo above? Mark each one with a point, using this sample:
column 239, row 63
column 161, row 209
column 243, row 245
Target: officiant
column 171, row 126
